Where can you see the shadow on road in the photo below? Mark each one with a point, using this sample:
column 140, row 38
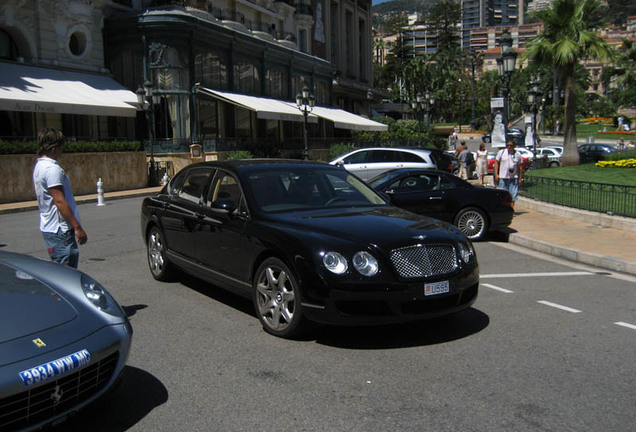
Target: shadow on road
column 421, row 333
column 136, row 395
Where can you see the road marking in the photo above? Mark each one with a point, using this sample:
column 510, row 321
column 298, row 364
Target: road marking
column 525, row 275
column 496, row 288
column 624, row 324
column 558, row 306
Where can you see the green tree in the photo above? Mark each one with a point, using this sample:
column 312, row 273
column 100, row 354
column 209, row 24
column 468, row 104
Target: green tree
column 568, row 36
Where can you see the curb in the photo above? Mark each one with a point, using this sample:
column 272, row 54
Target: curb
column 575, row 255
column 33, row 205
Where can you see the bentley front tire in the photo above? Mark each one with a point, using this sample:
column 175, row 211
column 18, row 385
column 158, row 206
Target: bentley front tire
column 277, row 299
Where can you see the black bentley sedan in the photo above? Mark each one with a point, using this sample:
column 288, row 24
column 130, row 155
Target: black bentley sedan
column 475, row 210
column 306, row 241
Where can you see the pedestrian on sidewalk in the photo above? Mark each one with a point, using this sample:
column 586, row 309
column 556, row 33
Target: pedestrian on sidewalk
column 465, row 160
column 507, row 171
column 59, row 218
column 482, row 162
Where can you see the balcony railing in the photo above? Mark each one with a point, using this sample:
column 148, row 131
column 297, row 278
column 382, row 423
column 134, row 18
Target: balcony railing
column 303, row 9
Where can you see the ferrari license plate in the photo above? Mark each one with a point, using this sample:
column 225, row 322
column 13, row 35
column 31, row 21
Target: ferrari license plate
column 55, row 368
column 436, row 288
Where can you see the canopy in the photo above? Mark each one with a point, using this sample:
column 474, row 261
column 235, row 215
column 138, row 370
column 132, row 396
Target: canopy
column 265, row 108
column 49, row 90
column 345, row 120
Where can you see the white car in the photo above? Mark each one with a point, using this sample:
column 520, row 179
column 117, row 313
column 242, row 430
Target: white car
column 554, row 157
column 525, row 152
column 367, row 163
column 558, row 148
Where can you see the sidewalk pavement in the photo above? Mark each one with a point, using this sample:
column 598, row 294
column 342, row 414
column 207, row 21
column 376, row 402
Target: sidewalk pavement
column 595, row 239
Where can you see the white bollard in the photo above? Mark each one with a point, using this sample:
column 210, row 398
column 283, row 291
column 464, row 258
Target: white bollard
column 100, row 192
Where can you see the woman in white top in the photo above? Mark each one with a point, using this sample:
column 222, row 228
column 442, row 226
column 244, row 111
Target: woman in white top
column 482, row 162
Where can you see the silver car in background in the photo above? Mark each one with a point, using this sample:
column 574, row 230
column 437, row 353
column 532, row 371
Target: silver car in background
column 367, row 163
column 64, row 341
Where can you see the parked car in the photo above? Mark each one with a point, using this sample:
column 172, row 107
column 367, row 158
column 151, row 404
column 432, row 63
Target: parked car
column 475, row 210
column 595, row 152
column 554, row 157
column 525, row 163
column 306, row 241
column 64, row 341
column 517, row 135
column 557, row 148
column 369, row 162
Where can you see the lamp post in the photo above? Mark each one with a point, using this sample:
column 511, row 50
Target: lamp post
column 461, row 104
column 370, row 99
column 422, row 103
column 506, row 65
column 534, row 98
column 146, row 99
column 305, row 102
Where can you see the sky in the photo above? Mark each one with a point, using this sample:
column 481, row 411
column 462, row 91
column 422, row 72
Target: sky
column 375, row 2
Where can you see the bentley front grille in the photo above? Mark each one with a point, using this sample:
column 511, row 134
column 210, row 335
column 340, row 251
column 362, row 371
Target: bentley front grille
column 424, row 260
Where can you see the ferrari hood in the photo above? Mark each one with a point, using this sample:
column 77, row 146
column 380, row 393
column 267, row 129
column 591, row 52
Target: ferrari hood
column 27, row 306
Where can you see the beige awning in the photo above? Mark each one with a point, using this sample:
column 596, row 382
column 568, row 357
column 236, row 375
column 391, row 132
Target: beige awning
column 345, row 120
column 48, row 90
column 265, row 108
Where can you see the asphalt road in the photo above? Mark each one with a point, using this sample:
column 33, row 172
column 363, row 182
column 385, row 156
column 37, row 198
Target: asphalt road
column 540, row 350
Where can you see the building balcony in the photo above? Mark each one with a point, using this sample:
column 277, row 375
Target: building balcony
column 303, row 9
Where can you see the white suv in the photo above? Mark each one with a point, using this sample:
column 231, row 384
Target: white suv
column 367, row 163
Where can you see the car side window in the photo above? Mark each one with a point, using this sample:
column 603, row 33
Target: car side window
column 415, row 183
column 226, row 187
column 194, row 182
column 384, row 156
column 356, row 158
column 410, row 157
column 448, row 182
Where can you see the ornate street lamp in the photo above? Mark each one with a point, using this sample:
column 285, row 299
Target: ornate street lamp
column 305, row 102
column 422, row 103
column 506, row 65
column 534, row 99
column 146, row 98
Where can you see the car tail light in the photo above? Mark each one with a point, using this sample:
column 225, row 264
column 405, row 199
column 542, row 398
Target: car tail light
column 506, row 200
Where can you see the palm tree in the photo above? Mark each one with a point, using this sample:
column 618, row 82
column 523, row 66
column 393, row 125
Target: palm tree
column 568, row 37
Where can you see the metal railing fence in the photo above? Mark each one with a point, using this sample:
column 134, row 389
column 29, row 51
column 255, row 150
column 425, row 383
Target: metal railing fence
column 613, row 199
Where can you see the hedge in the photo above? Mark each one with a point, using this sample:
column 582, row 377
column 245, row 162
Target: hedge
column 31, row 147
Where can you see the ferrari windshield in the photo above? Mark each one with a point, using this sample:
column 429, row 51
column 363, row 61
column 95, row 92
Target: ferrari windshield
column 309, row 187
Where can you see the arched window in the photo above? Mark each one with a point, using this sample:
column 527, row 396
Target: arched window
column 8, row 47
column 210, row 71
column 246, row 79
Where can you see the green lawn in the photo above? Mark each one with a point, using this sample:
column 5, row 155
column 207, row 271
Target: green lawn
column 590, row 173
column 587, row 187
column 585, row 130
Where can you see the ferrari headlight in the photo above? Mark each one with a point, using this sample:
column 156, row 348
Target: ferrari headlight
column 335, row 262
column 99, row 297
column 365, row 263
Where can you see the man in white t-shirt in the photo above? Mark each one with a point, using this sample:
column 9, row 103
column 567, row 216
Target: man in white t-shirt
column 508, row 172
column 59, row 218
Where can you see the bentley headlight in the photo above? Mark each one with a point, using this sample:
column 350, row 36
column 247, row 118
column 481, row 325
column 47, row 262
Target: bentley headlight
column 466, row 252
column 99, row 297
column 365, row 263
column 335, row 262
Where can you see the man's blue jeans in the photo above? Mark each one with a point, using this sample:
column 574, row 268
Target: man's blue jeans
column 62, row 247
column 511, row 185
